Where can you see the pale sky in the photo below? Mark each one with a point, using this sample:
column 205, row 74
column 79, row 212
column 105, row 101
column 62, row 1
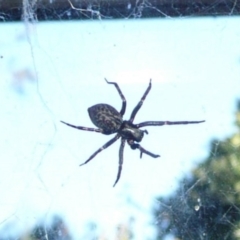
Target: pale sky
column 54, row 71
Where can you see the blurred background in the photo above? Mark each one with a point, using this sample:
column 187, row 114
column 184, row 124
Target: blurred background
column 54, row 56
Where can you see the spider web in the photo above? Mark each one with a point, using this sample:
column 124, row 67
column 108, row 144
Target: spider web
column 54, row 57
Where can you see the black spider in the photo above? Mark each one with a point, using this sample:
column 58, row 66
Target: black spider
column 109, row 120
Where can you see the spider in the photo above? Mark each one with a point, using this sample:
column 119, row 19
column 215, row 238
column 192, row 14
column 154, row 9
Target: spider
column 109, row 121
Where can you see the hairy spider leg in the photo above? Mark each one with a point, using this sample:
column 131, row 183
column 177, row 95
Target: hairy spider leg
column 120, row 160
column 161, row 123
column 135, row 110
column 124, row 103
column 142, row 150
column 83, row 128
column 102, row 148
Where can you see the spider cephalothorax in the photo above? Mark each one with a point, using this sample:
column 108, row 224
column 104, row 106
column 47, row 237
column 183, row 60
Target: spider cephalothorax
column 109, row 120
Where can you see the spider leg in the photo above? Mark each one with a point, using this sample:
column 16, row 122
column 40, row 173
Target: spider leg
column 142, row 150
column 135, row 110
column 102, row 148
column 83, row 128
column 120, row 161
column 124, row 103
column 161, row 123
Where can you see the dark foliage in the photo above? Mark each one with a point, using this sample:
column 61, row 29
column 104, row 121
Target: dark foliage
column 56, row 231
column 207, row 205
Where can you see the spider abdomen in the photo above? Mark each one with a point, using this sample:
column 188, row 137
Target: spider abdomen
column 105, row 117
